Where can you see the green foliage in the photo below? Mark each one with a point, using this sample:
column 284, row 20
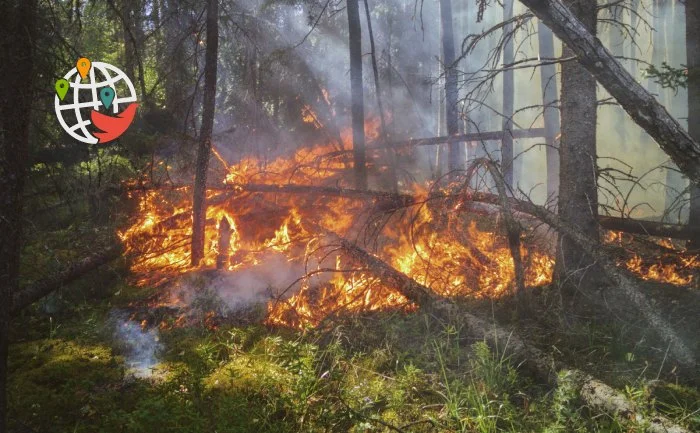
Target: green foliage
column 669, row 77
column 408, row 371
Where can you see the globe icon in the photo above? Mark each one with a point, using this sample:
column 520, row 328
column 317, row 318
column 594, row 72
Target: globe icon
column 73, row 112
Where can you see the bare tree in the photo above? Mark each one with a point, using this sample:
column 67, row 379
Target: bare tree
column 578, row 194
column 199, row 209
column 454, row 159
column 548, row 80
column 508, row 97
column 358, row 104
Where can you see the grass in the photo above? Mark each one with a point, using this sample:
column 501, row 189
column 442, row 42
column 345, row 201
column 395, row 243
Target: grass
column 379, row 372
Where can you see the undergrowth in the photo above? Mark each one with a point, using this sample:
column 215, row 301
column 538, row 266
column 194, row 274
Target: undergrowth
column 386, row 372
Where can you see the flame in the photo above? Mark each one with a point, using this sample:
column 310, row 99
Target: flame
column 309, row 116
column 679, row 274
column 449, row 252
column 676, row 268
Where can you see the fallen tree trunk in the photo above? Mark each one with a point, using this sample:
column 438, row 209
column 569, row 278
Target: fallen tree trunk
column 598, row 395
column 473, row 136
column 605, row 399
column 644, row 109
column 651, row 228
column 537, row 362
column 37, row 290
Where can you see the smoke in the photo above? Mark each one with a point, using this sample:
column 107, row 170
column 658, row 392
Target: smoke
column 140, row 346
column 231, row 292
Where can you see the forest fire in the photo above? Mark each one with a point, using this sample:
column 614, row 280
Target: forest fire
column 453, row 255
column 473, row 261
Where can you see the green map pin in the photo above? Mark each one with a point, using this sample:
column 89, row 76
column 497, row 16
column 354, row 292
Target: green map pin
column 62, row 87
column 107, row 96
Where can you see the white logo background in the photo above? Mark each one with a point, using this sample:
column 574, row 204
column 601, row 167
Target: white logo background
column 112, row 75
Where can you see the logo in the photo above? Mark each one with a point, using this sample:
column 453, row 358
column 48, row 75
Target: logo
column 89, row 99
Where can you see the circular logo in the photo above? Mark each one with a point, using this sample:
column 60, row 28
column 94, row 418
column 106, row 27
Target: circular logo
column 95, row 102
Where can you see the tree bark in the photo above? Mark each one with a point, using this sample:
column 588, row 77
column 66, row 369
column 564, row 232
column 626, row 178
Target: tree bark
column 508, row 97
column 199, row 209
column 639, row 103
column 454, row 158
column 17, row 31
column 550, row 95
column 578, row 190
column 692, row 41
column 357, row 93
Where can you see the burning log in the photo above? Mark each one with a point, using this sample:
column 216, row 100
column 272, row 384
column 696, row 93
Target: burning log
column 224, row 244
column 534, row 359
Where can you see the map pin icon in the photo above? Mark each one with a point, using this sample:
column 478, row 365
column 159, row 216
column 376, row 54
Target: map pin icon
column 107, row 96
column 83, row 66
column 62, row 87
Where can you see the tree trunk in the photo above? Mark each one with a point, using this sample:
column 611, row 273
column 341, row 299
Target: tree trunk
column 454, row 158
column 199, row 209
column 508, row 98
column 548, row 83
column 639, row 103
column 16, row 36
column 578, row 195
column 358, row 104
column 380, row 106
column 692, row 41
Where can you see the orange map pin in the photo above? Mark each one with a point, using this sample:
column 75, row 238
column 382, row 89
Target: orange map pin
column 83, row 66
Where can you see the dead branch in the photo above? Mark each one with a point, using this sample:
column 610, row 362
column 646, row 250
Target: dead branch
column 513, row 229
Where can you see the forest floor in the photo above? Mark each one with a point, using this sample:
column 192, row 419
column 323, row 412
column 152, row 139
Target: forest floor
column 74, row 371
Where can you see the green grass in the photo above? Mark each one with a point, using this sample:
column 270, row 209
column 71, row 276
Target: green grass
column 380, row 372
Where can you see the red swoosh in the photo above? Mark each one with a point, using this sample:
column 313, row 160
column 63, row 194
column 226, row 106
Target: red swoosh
column 113, row 127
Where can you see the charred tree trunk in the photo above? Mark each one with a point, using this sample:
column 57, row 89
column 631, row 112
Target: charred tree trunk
column 508, row 98
column 16, row 36
column 454, row 158
column 548, row 83
column 639, row 103
column 358, row 104
column 199, row 210
column 692, row 40
column 578, row 195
